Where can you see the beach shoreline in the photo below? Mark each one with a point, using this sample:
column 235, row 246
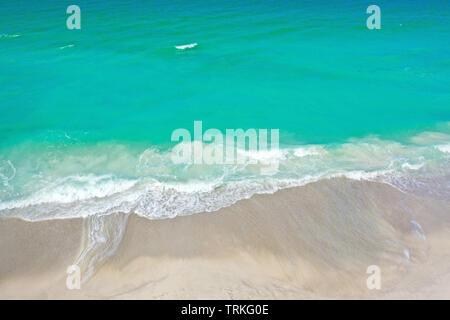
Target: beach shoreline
column 309, row 242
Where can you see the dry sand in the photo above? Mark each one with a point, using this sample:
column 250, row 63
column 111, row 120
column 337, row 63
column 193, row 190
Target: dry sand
column 307, row 242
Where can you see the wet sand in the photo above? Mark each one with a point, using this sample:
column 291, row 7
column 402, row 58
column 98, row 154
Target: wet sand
column 308, row 242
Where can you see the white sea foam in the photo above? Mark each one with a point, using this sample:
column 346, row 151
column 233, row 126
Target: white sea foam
column 444, row 148
column 5, row 35
column 67, row 46
column 72, row 189
column 186, row 46
column 362, row 175
column 151, row 185
column 409, row 166
column 309, row 151
column 7, row 172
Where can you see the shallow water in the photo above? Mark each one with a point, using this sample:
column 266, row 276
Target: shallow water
column 87, row 115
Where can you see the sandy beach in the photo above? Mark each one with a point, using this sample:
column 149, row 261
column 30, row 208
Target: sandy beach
column 224, row 150
column 299, row 243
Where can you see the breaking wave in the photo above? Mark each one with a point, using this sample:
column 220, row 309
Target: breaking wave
column 151, row 185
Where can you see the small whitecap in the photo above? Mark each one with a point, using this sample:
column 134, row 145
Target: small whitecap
column 9, row 36
column 65, row 47
column 186, row 46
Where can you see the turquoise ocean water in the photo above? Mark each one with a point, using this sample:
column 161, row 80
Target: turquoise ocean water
column 87, row 115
